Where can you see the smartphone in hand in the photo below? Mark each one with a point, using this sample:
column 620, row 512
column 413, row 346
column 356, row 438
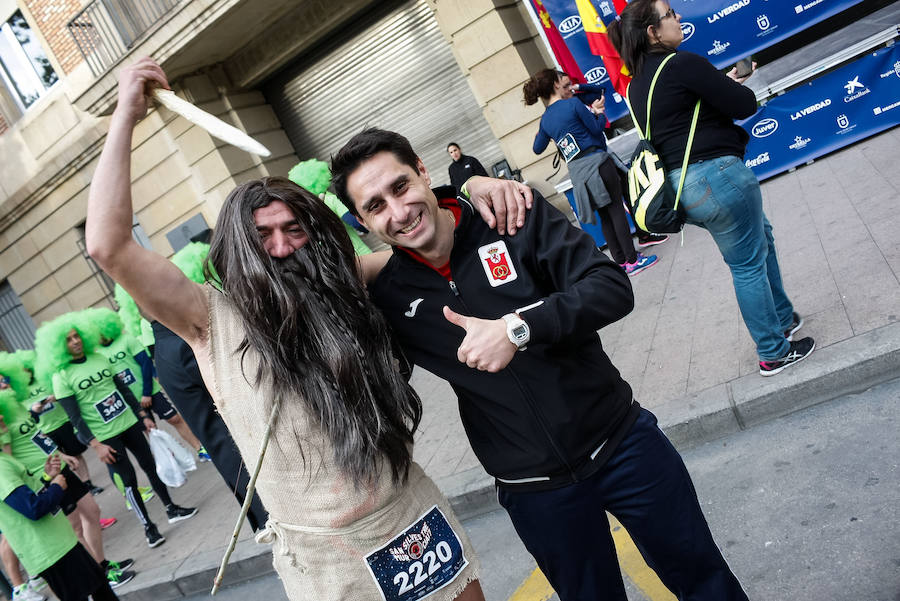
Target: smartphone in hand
column 744, row 67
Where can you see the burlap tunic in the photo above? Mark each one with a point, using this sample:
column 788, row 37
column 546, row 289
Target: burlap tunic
column 320, row 525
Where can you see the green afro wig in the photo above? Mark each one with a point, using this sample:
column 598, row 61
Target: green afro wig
column 26, row 357
column 50, row 343
column 105, row 320
column 12, row 368
column 313, row 175
column 190, row 261
column 11, row 406
column 128, row 312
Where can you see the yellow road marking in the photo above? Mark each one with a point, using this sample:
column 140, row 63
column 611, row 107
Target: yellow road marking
column 536, row 587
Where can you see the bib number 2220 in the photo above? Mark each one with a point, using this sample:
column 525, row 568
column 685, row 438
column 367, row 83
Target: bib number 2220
column 424, row 558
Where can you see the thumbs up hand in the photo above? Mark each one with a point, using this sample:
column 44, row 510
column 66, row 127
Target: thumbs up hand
column 486, row 346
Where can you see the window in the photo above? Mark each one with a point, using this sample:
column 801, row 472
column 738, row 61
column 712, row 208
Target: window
column 24, row 67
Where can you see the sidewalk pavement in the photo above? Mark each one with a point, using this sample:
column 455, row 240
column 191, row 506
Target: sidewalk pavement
column 684, row 349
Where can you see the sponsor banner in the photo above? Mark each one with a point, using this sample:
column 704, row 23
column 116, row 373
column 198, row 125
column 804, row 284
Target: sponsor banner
column 853, row 102
column 565, row 15
column 725, row 31
column 721, row 30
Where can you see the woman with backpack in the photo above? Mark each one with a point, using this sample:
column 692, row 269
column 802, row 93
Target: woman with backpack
column 577, row 130
column 720, row 193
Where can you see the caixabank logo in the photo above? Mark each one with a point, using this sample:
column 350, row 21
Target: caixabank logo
column 764, row 128
column 855, row 89
column 596, row 75
column 570, row 26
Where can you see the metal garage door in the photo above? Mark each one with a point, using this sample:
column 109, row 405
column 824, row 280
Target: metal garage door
column 394, row 70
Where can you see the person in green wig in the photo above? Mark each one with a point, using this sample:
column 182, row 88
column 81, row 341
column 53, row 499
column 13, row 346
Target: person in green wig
column 134, row 368
column 103, row 410
column 30, row 446
column 315, row 176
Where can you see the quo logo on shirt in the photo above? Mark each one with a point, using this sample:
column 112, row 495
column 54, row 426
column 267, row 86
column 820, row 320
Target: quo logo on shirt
column 94, row 379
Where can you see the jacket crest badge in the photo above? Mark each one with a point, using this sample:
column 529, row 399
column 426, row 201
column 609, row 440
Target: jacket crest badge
column 498, row 265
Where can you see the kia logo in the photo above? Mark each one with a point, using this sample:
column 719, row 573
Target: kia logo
column 688, row 30
column 764, row 128
column 570, row 24
column 595, row 74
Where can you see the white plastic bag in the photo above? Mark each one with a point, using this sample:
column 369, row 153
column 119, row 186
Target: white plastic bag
column 172, row 460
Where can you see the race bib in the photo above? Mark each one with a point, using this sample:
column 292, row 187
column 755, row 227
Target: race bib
column 125, row 377
column 425, row 557
column 111, row 407
column 43, row 442
column 568, row 147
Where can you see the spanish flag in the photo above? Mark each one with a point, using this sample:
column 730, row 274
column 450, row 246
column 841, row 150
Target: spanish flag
column 557, row 44
column 595, row 30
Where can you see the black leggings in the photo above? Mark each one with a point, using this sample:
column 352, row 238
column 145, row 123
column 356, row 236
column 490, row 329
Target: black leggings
column 613, row 221
column 133, row 440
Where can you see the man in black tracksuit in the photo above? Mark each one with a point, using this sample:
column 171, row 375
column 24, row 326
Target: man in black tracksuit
column 511, row 323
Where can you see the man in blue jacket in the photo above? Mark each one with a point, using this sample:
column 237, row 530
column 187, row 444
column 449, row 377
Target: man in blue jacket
column 511, row 323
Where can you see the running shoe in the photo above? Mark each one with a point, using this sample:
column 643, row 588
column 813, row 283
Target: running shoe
column 640, row 264
column 652, row 240
column 117, row 578
column 177, row 513
column 36, row 583
column 120, row 565
column 796, row 324
column 203, row 455
column 107, row 522
column 24, row 593
column 798, row 351
column 96, row 490
column 154, row 538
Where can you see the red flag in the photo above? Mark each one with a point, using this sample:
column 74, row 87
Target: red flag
column 620, row 5
column 558, row 45
column 595, row 30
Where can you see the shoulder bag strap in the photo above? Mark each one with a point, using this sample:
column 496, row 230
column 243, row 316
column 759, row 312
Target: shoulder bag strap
column 649, row 98
column 687, row 152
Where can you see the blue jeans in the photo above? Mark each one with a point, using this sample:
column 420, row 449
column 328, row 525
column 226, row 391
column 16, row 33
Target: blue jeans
column 722, row 195
column 646, row 486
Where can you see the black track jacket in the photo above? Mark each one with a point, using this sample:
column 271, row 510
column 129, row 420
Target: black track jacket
column 556, row 412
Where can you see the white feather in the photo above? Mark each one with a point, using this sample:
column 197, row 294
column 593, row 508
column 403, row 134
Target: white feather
column 215, row 126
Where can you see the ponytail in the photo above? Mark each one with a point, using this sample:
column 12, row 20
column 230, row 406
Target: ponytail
column 540, row 85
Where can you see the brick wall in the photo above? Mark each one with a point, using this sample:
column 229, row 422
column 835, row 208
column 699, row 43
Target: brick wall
column 51, row 16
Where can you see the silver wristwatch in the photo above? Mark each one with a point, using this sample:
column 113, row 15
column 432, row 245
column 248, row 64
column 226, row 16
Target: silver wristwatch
column 517, row 330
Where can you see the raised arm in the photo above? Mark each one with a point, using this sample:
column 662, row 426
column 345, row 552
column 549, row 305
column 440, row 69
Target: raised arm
column 155, row 283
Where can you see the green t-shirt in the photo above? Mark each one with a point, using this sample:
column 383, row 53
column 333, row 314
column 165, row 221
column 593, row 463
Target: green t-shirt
column 38, row 543
column 102, row 406
column 121, row 354
column 29, row 444
column 53, row 416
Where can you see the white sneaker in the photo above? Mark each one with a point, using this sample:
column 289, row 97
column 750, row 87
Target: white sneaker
column 36, row 583
column 23, row 593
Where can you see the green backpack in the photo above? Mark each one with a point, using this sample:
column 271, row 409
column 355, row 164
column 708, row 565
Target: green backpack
column 654, row 205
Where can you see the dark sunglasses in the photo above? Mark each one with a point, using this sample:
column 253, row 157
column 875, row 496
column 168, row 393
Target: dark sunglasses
column 669, row 13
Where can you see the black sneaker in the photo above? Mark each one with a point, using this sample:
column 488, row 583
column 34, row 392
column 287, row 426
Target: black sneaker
column 799, row 350
column 652, row 240
column 796, row 324
column 117, row 578
column 176, row 513
column 120, row 565
column 96, row 490
column 154, row 538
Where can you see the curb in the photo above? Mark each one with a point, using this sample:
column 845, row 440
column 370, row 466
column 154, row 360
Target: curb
column 846, row 367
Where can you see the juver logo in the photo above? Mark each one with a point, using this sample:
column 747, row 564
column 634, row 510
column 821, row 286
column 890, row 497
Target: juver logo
column 764, row 128
column 688, row 30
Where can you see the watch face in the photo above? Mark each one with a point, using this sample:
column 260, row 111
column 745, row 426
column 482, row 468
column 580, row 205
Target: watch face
column 520, row 332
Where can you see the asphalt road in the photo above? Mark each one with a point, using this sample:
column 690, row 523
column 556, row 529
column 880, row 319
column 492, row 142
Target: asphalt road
column 805, row 508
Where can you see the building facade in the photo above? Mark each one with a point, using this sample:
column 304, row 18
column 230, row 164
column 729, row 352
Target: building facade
column 300, row 76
